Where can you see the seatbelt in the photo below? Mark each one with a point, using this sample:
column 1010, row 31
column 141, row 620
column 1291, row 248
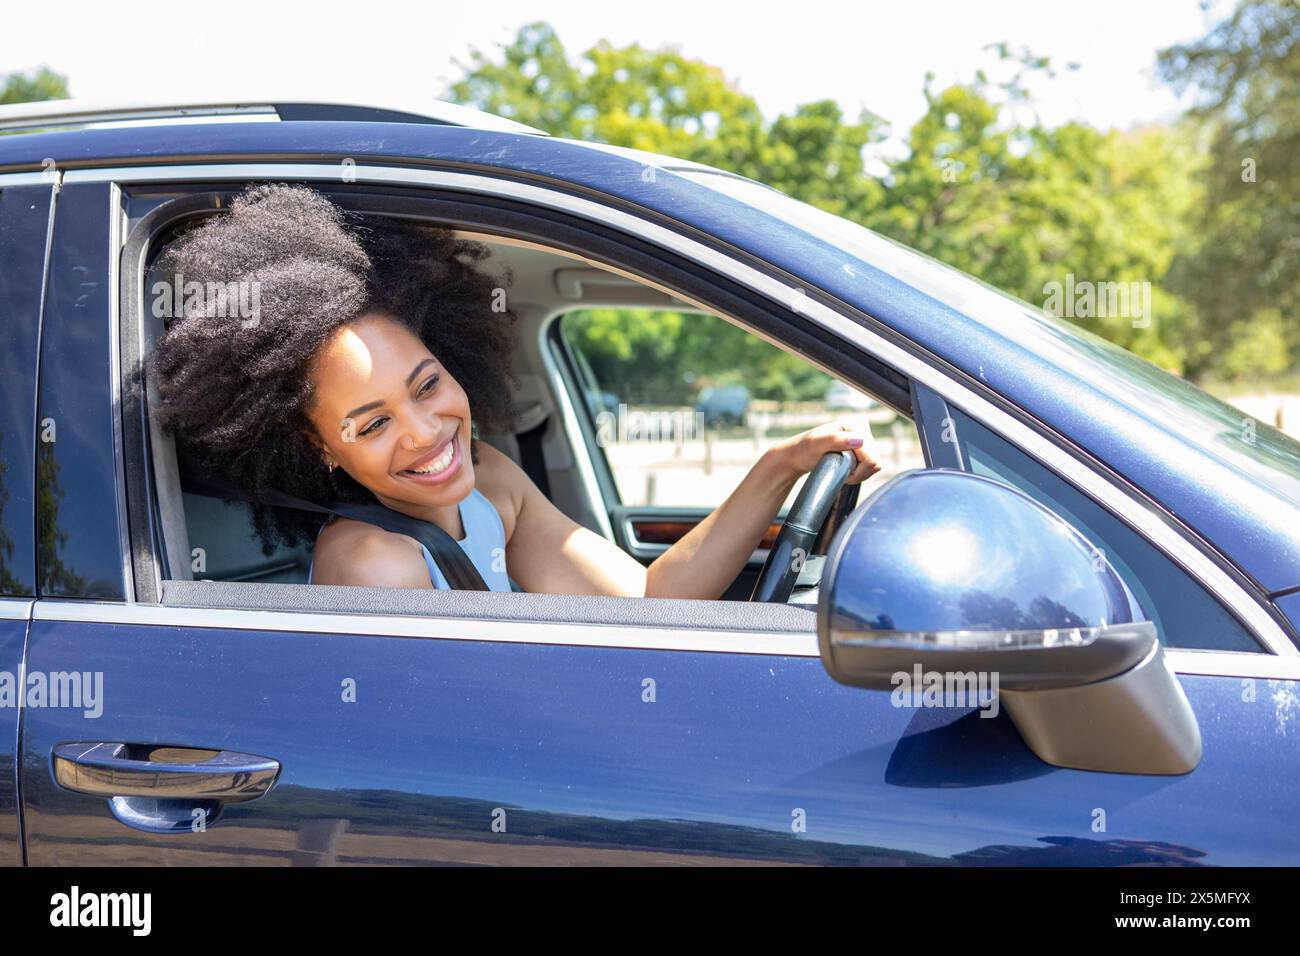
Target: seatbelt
column 531, row 458
column 450, row 557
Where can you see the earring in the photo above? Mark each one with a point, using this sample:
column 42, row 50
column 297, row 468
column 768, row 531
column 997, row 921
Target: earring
column 473, row 430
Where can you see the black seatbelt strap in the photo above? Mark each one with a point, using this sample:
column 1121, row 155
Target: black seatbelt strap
column 450, row 557
column 531, row 458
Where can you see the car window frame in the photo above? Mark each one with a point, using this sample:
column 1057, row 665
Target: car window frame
column 204, row 198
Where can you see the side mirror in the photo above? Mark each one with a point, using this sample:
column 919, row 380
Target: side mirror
column 952, row 581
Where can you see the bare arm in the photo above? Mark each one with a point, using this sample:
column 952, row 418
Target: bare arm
column 356, row 553
column 548, row 552
column 704, row 561
column 707, row 559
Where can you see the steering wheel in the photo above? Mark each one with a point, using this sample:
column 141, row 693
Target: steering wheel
column 803, row 525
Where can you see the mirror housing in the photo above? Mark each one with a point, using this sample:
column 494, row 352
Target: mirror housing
column 948, row 573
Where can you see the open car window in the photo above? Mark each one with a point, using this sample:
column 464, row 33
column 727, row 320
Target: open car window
column 202, row 540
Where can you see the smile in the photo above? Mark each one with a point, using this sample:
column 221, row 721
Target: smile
column 438, row 465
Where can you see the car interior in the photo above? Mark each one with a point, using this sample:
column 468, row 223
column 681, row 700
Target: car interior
column 551, row 441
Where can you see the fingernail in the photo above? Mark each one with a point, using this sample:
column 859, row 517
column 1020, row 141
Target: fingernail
column 855, row 442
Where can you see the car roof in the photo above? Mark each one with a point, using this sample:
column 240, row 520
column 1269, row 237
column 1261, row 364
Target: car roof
column 51, row 114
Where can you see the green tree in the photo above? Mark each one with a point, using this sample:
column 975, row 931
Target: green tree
column 984, row 184
column 1243, row 273
column 40, row 84
column 655, row 357
column 661, row 101
column 1021, row 205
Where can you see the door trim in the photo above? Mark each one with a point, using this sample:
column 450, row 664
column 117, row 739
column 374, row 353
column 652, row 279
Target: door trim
column 16, row 608
column 706, row 640
column 650, row 637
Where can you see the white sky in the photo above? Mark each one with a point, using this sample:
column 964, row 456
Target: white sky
column 864, row 54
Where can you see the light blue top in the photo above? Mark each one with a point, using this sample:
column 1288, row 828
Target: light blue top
column 484, row 542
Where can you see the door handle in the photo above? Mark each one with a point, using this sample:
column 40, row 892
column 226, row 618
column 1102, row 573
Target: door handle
column 111, row 770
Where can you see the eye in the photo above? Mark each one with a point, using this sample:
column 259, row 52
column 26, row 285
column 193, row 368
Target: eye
column 374, row 426
column 429, row 385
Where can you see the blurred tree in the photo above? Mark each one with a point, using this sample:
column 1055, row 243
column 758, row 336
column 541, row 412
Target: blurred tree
column 41, row 84
column 1243, row 274
column 984, row 185
column 1022, row 205
column 655, row 357
column 663, row 102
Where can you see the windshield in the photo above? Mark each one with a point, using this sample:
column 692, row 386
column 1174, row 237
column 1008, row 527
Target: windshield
column 1267, row 455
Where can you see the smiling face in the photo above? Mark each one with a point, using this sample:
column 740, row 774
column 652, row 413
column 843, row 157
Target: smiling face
column 393, row 418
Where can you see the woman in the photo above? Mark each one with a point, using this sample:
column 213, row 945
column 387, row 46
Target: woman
column 374, row 360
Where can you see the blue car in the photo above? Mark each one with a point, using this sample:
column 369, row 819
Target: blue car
column 723, row 405
column 1069, row 636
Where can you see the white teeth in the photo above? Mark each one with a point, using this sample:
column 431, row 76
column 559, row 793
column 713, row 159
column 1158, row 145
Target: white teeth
column 438, row 464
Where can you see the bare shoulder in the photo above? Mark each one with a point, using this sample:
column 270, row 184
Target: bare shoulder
column 356, row 553
column 502, row 482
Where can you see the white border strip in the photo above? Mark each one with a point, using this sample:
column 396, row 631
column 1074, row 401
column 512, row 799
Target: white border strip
column 786, row 644
column 15, row 609
column 1136, row 513
column 13, row 180
column 1233, row 664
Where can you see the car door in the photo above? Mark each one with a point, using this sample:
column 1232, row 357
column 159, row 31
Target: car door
column 309, row 725
column 330, row 738
column 25, row 207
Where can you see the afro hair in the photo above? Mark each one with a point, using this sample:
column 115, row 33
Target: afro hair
column 236, row 393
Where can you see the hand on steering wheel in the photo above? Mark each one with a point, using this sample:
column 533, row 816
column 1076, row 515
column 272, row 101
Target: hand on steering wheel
column 846, row 463
column 803, row 451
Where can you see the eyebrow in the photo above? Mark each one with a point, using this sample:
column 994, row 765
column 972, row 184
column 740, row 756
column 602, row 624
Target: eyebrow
column 369, row 406
column 416, row 371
